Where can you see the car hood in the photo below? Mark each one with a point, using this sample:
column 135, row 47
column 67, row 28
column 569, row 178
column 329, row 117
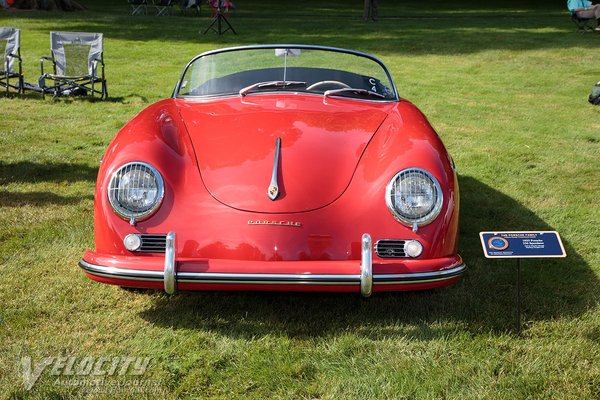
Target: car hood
column 321, row 145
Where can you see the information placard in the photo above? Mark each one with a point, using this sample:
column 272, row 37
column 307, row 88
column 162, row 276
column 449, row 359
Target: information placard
column 527, row 244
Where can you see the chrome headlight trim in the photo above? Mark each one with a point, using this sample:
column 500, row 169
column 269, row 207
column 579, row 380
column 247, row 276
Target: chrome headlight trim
column 434, row 209
column 116, row 196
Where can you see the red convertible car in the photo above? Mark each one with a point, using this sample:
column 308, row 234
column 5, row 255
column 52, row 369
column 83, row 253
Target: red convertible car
column 278, row 167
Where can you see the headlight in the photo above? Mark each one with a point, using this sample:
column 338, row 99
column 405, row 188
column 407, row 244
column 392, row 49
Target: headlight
column 135, row 191
column 414, row 196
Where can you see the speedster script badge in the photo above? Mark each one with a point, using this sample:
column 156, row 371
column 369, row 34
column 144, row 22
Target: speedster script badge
column 278, row 223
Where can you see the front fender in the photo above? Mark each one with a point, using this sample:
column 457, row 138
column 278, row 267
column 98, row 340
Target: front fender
column 156, row 136
column 405, row 140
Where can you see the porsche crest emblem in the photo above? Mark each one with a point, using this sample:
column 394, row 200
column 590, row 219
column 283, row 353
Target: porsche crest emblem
column 273, row 190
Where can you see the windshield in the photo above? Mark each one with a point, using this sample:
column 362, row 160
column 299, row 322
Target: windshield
column 319, row 70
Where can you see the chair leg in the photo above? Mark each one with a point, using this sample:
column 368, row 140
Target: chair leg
column 57, row 91
column 139, row 9
column 167, row 10
column 104, row 91
column 583, row 25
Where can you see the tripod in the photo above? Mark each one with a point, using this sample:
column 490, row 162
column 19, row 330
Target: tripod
column 219, row 19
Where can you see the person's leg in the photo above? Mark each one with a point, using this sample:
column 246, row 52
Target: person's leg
column 585, row 14
column 374, row 11
column 595, row 11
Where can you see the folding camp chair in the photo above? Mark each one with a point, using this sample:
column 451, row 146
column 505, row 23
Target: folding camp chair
column 594, row 97
column 583, row 24
column 138, row 7
column 164, row 7
column 190, row 6
column 10, row 48
column 76, row 58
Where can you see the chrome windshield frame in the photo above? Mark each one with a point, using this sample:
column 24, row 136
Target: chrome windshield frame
column 279, row 46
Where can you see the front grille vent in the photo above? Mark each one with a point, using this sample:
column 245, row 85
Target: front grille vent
column 390, row 248
column 153, row 243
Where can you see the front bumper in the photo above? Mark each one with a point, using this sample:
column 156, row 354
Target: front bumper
column 173, row 274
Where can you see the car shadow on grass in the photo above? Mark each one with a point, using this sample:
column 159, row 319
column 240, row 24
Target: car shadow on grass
column 484, row 301
column 34, row 172
column 35, row 199
column 28, row 174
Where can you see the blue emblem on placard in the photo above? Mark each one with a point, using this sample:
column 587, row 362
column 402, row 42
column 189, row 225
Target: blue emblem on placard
column 498, row 243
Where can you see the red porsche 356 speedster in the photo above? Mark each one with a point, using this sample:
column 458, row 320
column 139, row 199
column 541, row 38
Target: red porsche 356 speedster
column 278, row 167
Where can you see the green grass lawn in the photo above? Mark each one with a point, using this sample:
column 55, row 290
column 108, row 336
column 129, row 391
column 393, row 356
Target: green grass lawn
column 506, row 88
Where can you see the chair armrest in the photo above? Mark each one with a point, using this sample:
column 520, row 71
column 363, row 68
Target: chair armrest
column 95, row 62
column 94, row 66
column 42, row 63
column 7, row 59
column 17, row 56
column 99, row 59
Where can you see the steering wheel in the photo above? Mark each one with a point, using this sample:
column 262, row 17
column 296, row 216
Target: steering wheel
column 327, row 85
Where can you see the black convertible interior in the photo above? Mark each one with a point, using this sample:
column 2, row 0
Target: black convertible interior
column 318, row 80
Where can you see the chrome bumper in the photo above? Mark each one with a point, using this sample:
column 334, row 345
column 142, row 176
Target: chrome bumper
column 366, row 279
